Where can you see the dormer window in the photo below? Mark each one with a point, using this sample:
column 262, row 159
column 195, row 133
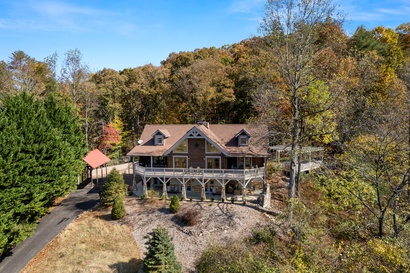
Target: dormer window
column 159, row 140
column 243, row 140
column 160, row 136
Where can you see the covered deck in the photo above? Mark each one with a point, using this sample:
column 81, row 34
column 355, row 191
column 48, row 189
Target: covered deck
column 201, row 176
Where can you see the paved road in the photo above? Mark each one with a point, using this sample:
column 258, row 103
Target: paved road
column 49, row 227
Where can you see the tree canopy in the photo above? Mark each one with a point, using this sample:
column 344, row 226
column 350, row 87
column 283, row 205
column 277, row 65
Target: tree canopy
column 40, row 159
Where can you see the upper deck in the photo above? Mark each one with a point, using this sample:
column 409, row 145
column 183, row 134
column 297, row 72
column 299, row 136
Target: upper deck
column 199, row 173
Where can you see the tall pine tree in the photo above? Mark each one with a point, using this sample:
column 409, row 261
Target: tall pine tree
column 39, row 161
column 161, row 256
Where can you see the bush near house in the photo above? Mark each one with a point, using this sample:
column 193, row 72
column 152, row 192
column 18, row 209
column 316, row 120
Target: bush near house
column 118, row 208
column 174, row 205
column 114, row 186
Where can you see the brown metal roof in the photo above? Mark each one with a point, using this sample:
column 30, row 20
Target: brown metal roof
column 95, row 158
column 224, row 135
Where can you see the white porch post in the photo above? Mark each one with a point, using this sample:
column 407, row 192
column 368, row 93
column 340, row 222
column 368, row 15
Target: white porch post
column 164, row 190
column 144, row 186
column 134, row 186
column 243, row 192
column 183, row 191
column 223, row 190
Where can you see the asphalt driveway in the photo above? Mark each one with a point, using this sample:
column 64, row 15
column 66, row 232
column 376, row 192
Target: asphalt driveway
column 49, row 227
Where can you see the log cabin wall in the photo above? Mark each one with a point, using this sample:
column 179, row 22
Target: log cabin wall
column 257, row 161
column 196, row 152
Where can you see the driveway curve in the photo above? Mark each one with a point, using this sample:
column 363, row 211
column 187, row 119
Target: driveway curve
column 49, row 227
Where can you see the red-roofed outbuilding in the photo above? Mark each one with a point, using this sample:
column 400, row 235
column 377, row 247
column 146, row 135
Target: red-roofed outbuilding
column 95, row 159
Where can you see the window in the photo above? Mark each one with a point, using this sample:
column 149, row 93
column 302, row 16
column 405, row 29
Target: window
column 180, row 162
column 213, row 162
column 211, row 148
column 159, row 161
column 159, row 140
column 244, row 162
column 243, row 140
column 182, row 148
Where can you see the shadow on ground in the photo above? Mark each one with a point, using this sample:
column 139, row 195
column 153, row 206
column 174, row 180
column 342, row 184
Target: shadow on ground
column 124, row 267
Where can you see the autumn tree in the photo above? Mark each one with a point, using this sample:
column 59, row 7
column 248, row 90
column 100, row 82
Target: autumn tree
column 403, row 30
column 203, row 88
column 111, row 85
column 110, row 139
column 74, row 74
column 143, row 99
column 292, row 28
column 24, row 73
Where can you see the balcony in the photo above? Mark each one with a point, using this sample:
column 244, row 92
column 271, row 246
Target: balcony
column 201, row 174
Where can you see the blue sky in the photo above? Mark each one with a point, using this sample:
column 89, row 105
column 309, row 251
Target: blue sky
column 131, row 33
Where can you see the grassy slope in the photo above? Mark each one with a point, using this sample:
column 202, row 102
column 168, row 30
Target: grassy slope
column 92, row 243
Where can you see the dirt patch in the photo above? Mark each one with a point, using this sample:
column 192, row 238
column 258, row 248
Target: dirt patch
column 218, row 224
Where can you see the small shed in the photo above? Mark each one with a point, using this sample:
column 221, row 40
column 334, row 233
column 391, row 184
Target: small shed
column 96, row 159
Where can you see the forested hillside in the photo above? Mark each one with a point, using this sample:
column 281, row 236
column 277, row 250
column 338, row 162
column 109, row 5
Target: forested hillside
column 309, row 81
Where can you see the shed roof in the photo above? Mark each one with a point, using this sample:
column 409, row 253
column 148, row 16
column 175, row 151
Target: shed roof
column 95, row 158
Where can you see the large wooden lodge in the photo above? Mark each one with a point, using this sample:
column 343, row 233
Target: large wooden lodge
column 202, row 158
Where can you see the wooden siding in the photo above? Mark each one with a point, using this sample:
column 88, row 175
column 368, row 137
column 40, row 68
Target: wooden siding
column 196, row 152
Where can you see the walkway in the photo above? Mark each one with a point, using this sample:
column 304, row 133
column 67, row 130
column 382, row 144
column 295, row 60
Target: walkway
column 49, row 227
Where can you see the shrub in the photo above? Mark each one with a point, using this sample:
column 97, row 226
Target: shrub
column 222, row 200
column 118, row 208
column 153, row 194
column 264, row 235
column 234, row 258
column 143, row 196
column 212, row 199
column 181, row 198
column 160, row 256
column 189, row 217
column 114, row 186
column 190, row 199
column 232, row 199
column 202, row 198
column 174, row 205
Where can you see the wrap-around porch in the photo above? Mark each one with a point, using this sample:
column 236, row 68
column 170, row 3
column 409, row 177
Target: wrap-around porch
column 184, row 176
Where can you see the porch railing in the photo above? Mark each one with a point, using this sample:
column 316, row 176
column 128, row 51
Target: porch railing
column 237, row 174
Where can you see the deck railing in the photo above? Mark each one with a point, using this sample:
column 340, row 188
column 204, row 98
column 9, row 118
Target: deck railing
column 233, row 174
column 304, row 166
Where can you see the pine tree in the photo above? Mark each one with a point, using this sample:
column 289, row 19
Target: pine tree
column 114, row 186
column 174, row 205
column 118, row 208
column 38, row 162
column 161, row 256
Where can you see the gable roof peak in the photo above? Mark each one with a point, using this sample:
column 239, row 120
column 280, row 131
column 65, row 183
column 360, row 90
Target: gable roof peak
column 163, row 132
column 243, row 131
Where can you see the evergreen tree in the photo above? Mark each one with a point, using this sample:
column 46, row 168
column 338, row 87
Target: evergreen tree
column 161, row 256
column 174, row 205
column 118, row 208
column 38, row 163
column 114, row 186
